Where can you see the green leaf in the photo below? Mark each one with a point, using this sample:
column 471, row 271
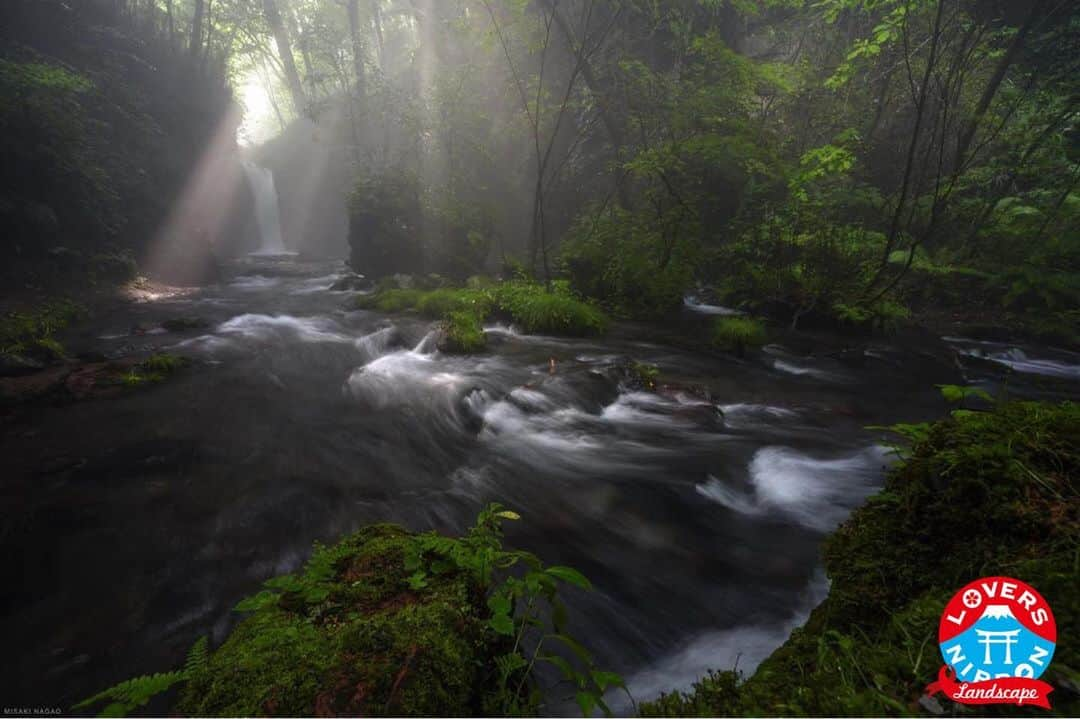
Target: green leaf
column 507, row 514
column 570, row 576
column 499, row 604
column 502, row 624
column 587, row 702
column 607, row 679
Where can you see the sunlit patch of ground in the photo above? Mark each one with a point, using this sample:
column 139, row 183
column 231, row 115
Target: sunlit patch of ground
column 143, row 289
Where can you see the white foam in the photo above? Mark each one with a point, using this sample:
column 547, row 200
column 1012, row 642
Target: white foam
column 377, row 343
column 817, row 493
column 265, row 327
column 1018, row 360
column 251, row 283
column 742, row 647
column 742, row 415
column 693, row 304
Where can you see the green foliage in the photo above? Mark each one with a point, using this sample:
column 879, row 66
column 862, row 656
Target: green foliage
column 1001, row 484
column 527, row 304
column 443, row 302
column 636, row 265
column 390, row 300
column 884, row 315
column 525, row 608
column 388, row 622
column 129, row 695
column 32, row 332
column 156, row 368
column 464, row 333
column 645, row 374
column 738, row 333
column 536, row 309
column 804, row 264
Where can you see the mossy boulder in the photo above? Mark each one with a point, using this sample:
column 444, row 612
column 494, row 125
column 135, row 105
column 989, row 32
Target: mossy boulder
column 350, row 635
column 981, row 494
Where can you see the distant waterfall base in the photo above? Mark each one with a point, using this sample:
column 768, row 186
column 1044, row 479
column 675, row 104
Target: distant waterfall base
column 267, row 215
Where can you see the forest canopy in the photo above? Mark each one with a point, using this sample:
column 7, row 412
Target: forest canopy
column 836, row 161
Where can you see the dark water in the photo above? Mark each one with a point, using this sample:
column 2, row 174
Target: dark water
column 132, row 525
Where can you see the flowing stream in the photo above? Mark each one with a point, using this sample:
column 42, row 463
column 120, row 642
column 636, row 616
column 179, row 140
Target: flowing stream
column 134, row 524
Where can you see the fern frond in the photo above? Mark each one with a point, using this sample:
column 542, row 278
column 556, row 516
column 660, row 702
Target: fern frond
column 133, row 693
column 198, row 658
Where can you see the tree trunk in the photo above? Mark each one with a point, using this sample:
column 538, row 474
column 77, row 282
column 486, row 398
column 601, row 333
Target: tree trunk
column 195, row 46
column 288, row 63
column 991, row 88
column 376, row 16
column 357, row 47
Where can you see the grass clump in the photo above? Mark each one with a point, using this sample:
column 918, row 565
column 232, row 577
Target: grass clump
column 443, row 302
column 537, row 309
column 464, row 333
column 529, row 305
column 737, row 334
column 981, row 493
column 154, row 369
column 390, row 300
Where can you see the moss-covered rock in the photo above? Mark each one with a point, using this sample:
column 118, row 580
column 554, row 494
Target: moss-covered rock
column 349, row 635
column 981, row 494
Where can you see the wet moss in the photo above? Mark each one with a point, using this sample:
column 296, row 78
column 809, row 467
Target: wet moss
column 982, row 494
column 350, row 635
column 737, row 334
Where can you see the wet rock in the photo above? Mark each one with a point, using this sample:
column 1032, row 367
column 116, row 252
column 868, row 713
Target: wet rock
column 13, row 365
column 182, row 324
column 353, row 283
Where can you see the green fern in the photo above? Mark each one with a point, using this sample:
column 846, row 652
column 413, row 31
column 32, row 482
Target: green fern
column 134, row 693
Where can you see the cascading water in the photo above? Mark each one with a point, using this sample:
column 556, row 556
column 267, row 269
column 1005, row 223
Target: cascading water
column 261, row 180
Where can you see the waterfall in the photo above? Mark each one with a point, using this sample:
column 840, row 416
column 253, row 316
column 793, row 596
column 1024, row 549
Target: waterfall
column 261, row 180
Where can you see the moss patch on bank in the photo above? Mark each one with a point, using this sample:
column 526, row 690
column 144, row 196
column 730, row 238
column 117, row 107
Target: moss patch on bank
column 980, row 494
column 532, row 307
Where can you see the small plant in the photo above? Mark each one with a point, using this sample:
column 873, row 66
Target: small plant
column 645, row 374
column 32, row 333
column 154, row 369
column 464, row 333
column 525, row 608
column 737, row 334
column 885, row 315
column 131, row 694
